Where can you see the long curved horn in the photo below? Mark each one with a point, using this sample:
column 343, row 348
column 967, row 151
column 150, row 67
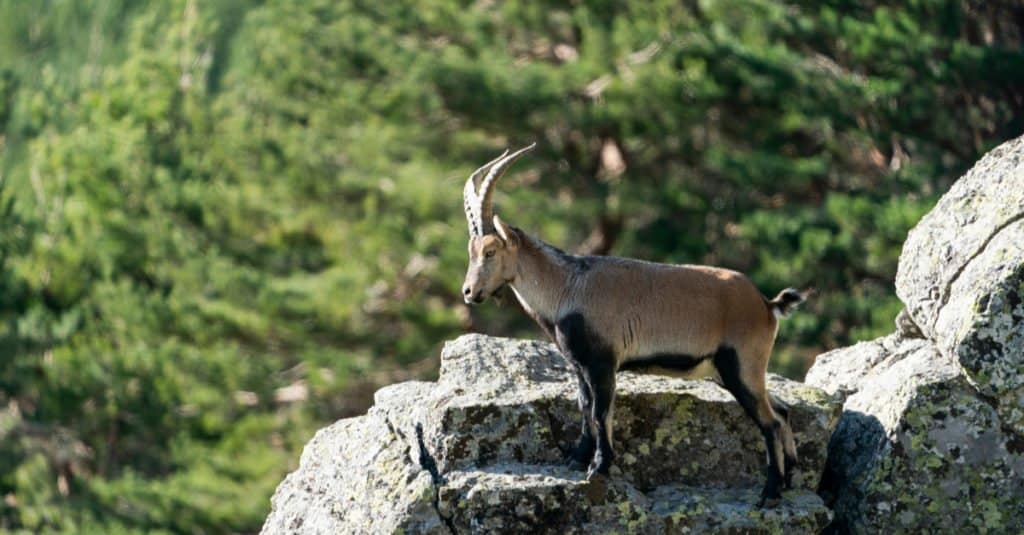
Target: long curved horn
column 487, row 187
column 471, row 201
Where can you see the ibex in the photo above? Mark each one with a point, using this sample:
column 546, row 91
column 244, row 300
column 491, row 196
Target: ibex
column 608, row 314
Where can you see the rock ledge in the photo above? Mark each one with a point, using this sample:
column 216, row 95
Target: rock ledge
column 481, row 450
column 932, row 433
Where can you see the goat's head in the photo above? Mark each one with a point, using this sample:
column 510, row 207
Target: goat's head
column 493, row 245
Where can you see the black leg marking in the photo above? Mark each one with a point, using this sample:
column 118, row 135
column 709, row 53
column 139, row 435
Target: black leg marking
column 596, row 363
column 772, row 492
column 727, row 363
column 602, row 379
column 580, row 455
column 670, row 361
column 788, row 443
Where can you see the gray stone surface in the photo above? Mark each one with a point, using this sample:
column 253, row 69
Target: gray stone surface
column 961, row 273
column 516, row 498
column 982, row 323
column 932, row 433
column 515, row 401
column 1010, row 406
column 931, row 437
column 347, row 472
column 482, row 449
column 919, row 450
column 844, row 371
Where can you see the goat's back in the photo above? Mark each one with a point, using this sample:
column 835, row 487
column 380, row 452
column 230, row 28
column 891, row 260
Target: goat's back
column 644, row 308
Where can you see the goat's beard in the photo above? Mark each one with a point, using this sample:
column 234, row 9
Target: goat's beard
column 503, row 295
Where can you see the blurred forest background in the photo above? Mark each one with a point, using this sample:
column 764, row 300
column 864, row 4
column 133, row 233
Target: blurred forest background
column 223, row 224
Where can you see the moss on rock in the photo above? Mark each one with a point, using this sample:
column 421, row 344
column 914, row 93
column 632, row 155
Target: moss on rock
column 961, row 273
column 481, row 450
column 931, row 439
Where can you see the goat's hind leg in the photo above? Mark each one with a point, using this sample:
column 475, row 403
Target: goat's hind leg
column 788, row 443
column 745, row 380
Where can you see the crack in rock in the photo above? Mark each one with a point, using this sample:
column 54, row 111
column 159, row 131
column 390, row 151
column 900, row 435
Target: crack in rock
column 944, row 298
column 427, row 462
column 480, row 451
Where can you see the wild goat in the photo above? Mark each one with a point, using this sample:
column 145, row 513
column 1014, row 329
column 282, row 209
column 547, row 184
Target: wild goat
column 608, row 314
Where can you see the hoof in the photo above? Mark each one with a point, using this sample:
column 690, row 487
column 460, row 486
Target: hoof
column 579, row 458
column 597, row 476
column 575, row 464
column 769, row 503
column 598, row 469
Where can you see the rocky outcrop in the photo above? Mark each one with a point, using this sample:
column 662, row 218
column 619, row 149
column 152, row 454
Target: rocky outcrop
column 961, row 276
column 931, row 437
column 481, row 451
column 347, row 472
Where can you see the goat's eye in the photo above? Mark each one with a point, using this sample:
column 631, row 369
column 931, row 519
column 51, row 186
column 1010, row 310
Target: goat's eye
column 489, row 254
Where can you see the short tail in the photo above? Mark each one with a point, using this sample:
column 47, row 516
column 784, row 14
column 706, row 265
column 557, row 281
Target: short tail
column 786, row 302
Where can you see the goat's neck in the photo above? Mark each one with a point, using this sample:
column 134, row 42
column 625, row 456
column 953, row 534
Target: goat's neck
column 544, row 278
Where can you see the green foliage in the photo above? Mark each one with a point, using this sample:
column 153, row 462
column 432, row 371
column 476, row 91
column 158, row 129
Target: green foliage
column 219, row 218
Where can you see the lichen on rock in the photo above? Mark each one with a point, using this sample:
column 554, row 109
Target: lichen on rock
column 484, row 446
column 930, row 439
column 846, row 370
column 347, row 470
column 919, row 449
column 961, row 272
column 516, row 498
column 932, row 433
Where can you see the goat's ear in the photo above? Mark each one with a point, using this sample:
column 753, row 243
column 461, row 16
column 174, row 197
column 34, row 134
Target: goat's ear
column 506, row 232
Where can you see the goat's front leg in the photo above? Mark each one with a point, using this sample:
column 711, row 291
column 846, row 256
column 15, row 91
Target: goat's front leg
column 580, row 455
column 601, row 377
column 596, row 364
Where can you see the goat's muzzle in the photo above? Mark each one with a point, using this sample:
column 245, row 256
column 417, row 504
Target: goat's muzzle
column 470, row 298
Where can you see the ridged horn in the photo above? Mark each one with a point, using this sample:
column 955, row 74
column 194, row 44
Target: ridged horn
column 471, row 201
column 486, row 212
